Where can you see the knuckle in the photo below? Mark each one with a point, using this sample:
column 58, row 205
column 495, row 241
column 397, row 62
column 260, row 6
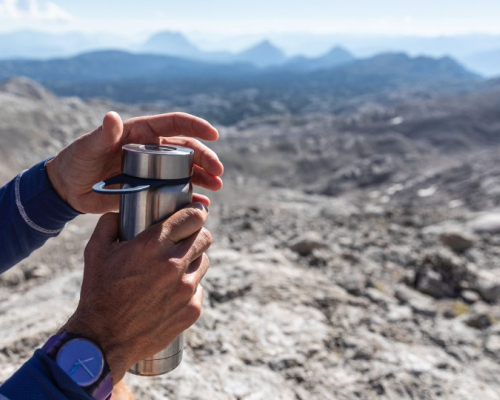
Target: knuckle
column 193, row 312
column 196, row 214
column 206, row 237
column 155, row 240
column 206, row 260
column 187, row 289
column 176, row 265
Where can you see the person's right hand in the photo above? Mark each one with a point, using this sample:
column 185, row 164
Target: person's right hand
column 138, row 296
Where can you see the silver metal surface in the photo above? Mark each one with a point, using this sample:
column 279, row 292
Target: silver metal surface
column 161, row 363
column 140, row 210
column 157, row 161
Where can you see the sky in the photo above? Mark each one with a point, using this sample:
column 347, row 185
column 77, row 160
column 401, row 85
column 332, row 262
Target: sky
column 230, row 17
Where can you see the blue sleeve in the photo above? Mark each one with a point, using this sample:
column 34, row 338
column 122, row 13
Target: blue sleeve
column 31, row 212
column 41, row 378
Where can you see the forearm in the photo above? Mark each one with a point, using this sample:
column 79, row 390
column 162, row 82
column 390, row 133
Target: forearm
column 31, row 212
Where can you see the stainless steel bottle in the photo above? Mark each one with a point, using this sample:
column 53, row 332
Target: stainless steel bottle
column 155, row 184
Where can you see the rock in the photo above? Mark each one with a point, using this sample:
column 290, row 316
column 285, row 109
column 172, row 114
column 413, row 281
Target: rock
column 26, row 88
column 455, row 309
column 12, row 277
column 379, row 297
column 418, row 302
column 338, row 207
column 220, row 256
column 469, row 296
column 486, row 223
column 37, row 271
column 353, row 283
column 441, row 274
column 480, row 317
column 457, row 241
column 306, row 243
column 487, row 284
column 493, row 345
column 320, row 257
column 399, row 313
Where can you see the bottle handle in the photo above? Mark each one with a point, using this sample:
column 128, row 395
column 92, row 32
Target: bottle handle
column 135, row 184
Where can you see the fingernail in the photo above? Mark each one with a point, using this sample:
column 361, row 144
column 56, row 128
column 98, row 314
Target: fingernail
column 199, row 206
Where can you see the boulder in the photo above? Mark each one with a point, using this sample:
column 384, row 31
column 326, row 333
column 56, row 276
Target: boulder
column 487, row 284
column 353, row 283
column 486, row 223
column 306, row 243
column 480, row 317
column 418, row 302
column 457, row 241
column 441, row 275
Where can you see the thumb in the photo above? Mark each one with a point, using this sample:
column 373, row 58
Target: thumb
column 107, row 135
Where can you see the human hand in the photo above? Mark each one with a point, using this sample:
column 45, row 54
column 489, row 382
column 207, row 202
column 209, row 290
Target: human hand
column 96, row 156
column 138, row 296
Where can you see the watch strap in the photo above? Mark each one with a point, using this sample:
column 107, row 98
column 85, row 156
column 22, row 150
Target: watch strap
column 100, row 390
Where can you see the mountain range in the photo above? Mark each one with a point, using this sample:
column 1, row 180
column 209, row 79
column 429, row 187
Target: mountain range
column 287, row 88
column 477, row 52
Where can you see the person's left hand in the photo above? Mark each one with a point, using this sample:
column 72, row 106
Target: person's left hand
column 96, row 156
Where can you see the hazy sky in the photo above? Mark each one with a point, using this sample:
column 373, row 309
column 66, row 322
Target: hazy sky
column 423, row 17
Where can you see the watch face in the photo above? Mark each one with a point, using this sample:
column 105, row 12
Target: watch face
column 81, row 360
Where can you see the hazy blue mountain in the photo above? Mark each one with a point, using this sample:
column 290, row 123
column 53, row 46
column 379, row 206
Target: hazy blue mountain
column 335, row 57
column 402, row 66
column 396, row 70
column 170, row 43
column 113, row 66
column 138, row 78
column 38, row 45
column 313, row 44
column 263, row 54
column 486, row 63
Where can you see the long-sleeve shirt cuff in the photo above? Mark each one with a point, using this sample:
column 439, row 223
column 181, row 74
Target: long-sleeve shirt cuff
column 31, row 212
column 41, row 378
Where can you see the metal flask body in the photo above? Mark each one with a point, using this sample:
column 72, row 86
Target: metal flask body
column 140, row 210
column 155, row 184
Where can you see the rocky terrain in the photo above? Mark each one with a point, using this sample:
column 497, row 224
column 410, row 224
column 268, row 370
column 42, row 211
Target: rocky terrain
column 356, row 252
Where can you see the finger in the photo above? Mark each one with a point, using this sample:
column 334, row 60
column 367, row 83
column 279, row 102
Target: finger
column 204, row 157
column 186, row 222
column 106, row 230
column 189, row 314
column 205, row 180
column 105, row 137
column 199, row 198
column 174, row 124
column 198, row 268
column 191, row 248
column 112, row 129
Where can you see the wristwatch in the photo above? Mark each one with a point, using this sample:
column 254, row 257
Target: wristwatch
column 83, row 361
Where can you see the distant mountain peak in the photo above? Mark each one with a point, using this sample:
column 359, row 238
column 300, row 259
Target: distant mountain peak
column 335, row 57
column 263, row 54
column 265, row 44
column 170, row 43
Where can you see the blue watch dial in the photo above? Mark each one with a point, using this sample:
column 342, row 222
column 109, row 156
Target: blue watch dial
column 81, row 360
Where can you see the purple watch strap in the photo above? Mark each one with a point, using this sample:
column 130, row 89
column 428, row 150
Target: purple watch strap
column 103, row 391
column 104, row 388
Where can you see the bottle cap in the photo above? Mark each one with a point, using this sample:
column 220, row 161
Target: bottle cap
column 154, row 161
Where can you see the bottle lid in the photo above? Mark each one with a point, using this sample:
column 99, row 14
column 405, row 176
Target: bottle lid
column 154, row 161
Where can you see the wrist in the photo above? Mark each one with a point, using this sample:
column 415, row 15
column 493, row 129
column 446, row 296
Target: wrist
column 83, row 361
column 115, row 354
column 52, row 169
